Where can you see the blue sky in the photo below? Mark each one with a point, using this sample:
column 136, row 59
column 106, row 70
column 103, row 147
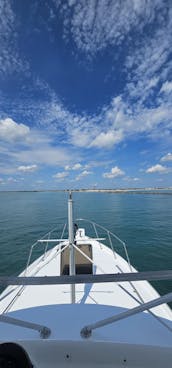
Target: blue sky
column 85, row 94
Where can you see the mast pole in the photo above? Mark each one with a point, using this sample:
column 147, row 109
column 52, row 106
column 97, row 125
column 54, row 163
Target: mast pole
column 71, row 247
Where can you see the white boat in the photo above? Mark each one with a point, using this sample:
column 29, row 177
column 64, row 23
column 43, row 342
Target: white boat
column 82, row 305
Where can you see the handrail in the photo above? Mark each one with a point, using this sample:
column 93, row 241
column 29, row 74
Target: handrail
column 22, row 288
column 44, row 331
column 159, row 319
column 87, row 330
column 109, row 233
column 46, row 245
column 59, row 240
column 102, row 227
column 78, row 279
column 83, row 279
column 94, row 224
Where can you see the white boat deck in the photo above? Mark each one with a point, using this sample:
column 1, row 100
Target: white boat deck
column 118, row 294
column 29, row 302
column 143, row 340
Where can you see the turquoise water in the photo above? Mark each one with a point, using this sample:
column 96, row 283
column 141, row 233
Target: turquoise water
column 143, row 221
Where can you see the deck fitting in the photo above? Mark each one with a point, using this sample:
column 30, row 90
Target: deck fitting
column 85, row 332
column 45, row 332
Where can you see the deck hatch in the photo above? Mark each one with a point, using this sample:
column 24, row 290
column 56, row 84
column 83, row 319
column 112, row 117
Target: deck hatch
column 82, row 265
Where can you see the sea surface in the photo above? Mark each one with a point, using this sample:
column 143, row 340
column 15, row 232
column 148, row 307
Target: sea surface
column 143, row 221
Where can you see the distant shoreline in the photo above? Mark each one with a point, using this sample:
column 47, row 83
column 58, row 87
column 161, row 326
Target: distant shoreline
column 92, row 190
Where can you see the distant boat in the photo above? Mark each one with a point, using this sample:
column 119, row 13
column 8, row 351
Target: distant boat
column 82, row 305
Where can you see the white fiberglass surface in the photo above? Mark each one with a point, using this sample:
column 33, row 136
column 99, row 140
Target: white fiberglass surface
column 50, row 305
column 125, row 295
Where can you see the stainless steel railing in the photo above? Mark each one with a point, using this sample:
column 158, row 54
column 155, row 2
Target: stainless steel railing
column 110, row 236
column 82, row 279
column 78, row 279
column 87, row 330
column 43, row 330
column 46, row 245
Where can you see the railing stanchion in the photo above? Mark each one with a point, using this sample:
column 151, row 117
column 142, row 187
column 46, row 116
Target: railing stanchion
column 111, row 245
column 71, row 248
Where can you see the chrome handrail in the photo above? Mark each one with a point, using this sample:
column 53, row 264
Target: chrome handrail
column 109, row 234
column 45, row 247
column 79, row 279
column 43, row 330
column 87, row 330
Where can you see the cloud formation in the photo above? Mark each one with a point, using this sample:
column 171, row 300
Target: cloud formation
column 166, row 87
column 60, row 175
column 27, row 169
column 108, row 139
column 94, row 25
column 22, row 145
column 98, row 24
column 158, row 169
column 167, row 157
column 77, row 166
column 83, row 174
column 10, row 59
column 38, row 129
column 11, row 131
column 115, row 171
column 116, row 122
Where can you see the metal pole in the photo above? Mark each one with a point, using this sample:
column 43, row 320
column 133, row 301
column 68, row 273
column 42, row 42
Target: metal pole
column 44, row 331
column 85, row 279
column 71, row 248
column 87, row 330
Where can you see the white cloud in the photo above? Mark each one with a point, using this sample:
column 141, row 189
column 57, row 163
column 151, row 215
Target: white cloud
column 118, row 121
column 67, row 167
column 27, row 169
column 94, row 25
column 11, row 131
column 167, row 157
column 46, row 155
column 127, row 178
column 7, row 23
column 83, row 174
column 142, row 87
column 61, row 175
column 77, row 166
column 158, row 169
column 108, row 139
column 10, row 60
column 166, row 87
column 122, row 119
column 152, row 52
column 148, row 64
column 22, row 145
column 115, row 171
